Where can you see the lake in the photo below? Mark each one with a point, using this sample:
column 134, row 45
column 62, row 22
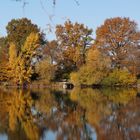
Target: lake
column 77, row 114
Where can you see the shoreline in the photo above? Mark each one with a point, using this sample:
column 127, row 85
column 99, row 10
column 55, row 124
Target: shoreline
column 63, row 85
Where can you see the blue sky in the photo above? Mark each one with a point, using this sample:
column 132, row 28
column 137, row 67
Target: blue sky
column 90, row 12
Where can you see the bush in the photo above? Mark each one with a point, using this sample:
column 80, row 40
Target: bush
column 87, row 75
column 45, row 70
column 96, row 68
column 119, row 78
column 74, row 78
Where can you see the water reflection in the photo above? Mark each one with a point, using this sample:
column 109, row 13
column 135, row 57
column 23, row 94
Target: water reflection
column 16, row 115
column 80, row 114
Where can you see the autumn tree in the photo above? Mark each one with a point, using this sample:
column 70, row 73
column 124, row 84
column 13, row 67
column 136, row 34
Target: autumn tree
column 3, row 49
column 19, row 29
column 115, row 38
column 96, row 68
column 132, row 60
column 21, row 64
column 12, row 60
column 74, row 39
column 4, row 69
column 47, row 66
column 119, row 77
column 12, row 54
column 45, row 70
column 51, row 51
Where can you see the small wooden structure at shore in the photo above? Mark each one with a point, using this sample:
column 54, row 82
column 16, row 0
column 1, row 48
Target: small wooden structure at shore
column 67, row 85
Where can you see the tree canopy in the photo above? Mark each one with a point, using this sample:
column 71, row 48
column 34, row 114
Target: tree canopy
column 74, row 54
column 74, row 39
column 19, row 29
column 116, row 36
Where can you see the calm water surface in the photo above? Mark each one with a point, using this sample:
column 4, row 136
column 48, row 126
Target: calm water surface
column 79, row 114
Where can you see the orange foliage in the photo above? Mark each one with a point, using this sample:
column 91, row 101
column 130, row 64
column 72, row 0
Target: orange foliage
column 115, row 38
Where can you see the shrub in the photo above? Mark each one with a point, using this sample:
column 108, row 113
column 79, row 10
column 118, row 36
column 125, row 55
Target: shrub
column 87, row 75
column 96, row 68
column 119, row 77
column 45, row 70
column 74, row 78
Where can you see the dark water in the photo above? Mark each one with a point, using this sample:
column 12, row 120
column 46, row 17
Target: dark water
column 80, row 114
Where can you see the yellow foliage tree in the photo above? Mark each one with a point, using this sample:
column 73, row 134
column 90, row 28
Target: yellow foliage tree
column 12, row 54
column 45, row 70
column 96, row 68
column 4, row 71
column 21, row 65
column 12, row 59
column 119, row 77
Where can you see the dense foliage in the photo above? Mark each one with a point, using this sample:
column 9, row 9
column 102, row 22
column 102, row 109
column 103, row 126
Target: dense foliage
column 21, row 64
column 96, row 68
column 119, row 38
column 111, row 59
column 19, row 29
column 119, row 78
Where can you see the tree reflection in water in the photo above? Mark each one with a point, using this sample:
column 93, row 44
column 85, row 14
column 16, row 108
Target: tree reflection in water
column 80, row 114
column 21, row 123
